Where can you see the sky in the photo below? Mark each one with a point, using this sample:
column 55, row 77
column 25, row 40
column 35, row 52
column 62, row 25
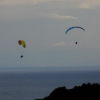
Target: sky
column 42, row 24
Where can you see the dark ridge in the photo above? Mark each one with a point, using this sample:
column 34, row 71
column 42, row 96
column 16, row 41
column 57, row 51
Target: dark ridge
column 85, row 92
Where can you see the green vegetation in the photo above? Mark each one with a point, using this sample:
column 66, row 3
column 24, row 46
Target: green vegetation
column 85, row 92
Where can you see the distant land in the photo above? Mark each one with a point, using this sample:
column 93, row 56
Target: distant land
column 85, row 92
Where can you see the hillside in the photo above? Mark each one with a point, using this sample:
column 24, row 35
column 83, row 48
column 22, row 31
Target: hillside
column 84, row 92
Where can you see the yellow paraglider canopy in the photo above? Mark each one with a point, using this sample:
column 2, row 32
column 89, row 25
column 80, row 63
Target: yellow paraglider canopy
column 22, row 42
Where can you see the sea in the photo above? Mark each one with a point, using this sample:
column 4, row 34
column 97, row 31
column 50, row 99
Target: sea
column 38, row 82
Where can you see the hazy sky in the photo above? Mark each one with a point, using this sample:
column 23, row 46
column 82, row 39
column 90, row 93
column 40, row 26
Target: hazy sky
column 42, row 24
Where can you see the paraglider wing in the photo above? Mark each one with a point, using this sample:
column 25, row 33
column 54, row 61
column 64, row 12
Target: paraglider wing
column 22, row 42
column 73, row 28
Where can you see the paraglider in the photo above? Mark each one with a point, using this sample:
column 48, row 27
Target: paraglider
column 23, row 44
column 73, row 28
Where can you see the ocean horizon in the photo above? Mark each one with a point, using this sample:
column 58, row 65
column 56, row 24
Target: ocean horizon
column 38, row 82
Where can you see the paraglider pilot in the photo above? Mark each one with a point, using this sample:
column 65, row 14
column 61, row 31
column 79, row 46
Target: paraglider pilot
column 76, row 42
column 21, row 56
